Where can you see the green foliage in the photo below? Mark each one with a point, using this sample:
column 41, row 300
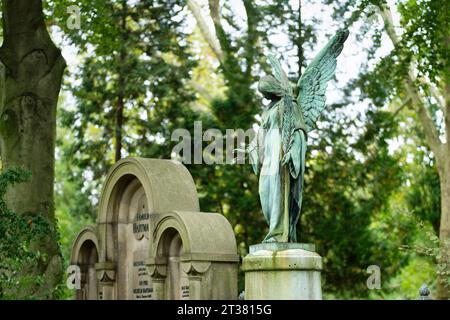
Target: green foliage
column 405, row 285
column 430, row 247
column 346, row 211
column 427, row 32
column 423, row 197
column 132, row 89
column 423, row 50
column 17, row 234
column 357, row 191
column 69, row 224
column 74, row 208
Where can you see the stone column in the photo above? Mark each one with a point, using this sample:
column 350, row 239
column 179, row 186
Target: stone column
column 159, row 288
column 195, row 287
column 282, row 271
column 106, row 275
column 107, row 290
column 157, row 268
column 197, row 272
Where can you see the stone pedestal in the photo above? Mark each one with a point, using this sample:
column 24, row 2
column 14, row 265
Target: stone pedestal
column 282, row 271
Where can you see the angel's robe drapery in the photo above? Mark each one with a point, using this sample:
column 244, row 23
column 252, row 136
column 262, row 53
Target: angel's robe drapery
column 280, row 202
column 278, row 152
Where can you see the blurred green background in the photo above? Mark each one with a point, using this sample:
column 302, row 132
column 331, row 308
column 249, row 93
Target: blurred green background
column 372, row 191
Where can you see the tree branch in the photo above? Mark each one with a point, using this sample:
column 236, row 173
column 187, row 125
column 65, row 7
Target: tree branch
column 389, row 24
column 201, row 90
column 430, row 130
column 431, row 133
column 435, row 93
column 205, row 31
column 404, row 104
column 252, row 35
column 214, row 11
column 447, row 112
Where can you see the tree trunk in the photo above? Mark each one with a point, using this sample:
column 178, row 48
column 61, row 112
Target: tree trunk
column 121, row 85
column 30, row 84
column 119, row 120
column 443, row 292
column 299, row 40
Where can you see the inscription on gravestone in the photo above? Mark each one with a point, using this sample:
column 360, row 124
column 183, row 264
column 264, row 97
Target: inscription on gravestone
column 185, row 292
column 142, row 284
column 142, row 289
column 140, row 226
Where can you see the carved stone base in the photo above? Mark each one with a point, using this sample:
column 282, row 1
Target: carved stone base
column 282, row 271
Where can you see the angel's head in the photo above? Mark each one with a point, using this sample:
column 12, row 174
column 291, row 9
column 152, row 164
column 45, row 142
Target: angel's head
column 270, row 88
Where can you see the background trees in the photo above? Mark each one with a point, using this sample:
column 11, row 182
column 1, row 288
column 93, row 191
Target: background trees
column 131, row 89
column 377, row 168
column 414, row 79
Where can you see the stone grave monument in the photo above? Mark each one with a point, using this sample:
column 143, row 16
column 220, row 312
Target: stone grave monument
column 152, row 242
column 281, row 268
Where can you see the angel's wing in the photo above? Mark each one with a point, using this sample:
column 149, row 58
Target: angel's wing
column 313, row 83
column 279, row 73
column 287, row 103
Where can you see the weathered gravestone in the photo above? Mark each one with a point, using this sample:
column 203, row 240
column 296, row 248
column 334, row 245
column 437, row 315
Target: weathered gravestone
column 152, row 242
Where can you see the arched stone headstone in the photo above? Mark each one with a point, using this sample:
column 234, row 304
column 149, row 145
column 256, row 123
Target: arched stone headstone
column 138, row 198
column 193, row 256
column 85, row 255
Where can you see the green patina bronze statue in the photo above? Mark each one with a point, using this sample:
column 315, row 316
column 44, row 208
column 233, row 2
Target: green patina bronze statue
column 278, row 151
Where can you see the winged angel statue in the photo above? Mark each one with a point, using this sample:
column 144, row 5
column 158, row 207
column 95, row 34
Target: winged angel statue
column 278, row 151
